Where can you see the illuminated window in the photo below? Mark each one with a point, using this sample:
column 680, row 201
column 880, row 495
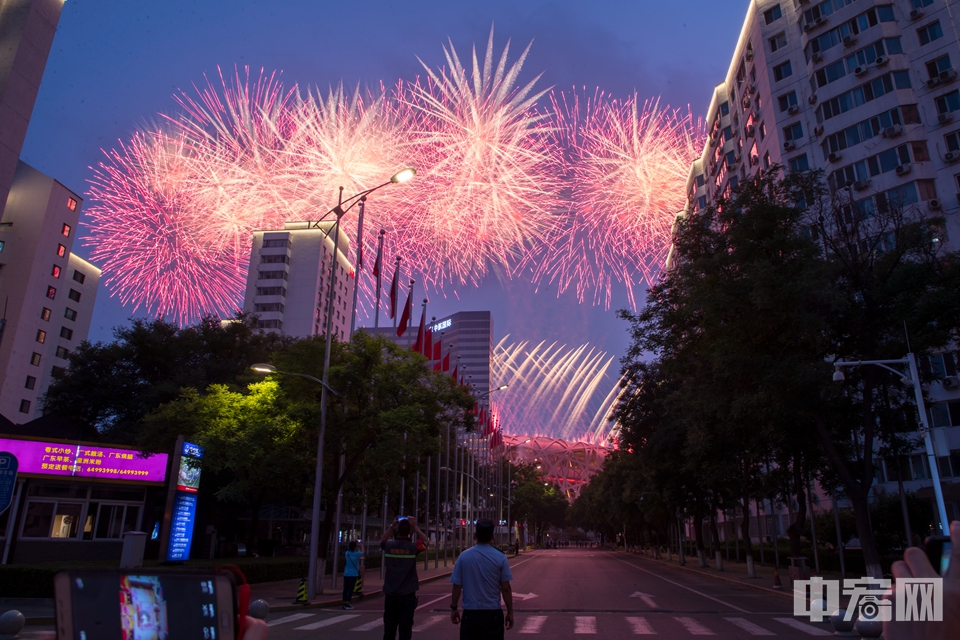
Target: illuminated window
column 65, row 230
column 30, row 383
column 41, row 336
column 61, row 250
column 71, row 204
column 51, row 292
column 24, row 406
column 74, row 295
column 35, row 359
column 70, row 314
column 79, row 277
column 45, row 314
column 62, row 352
column 56, row 271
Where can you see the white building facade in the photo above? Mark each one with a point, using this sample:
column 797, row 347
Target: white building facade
column 47, row 293
column 867, row 91
column 287, row 282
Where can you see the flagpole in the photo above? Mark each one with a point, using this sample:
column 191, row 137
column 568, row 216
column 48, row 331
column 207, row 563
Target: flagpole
column 379, row 274
column 356, row 278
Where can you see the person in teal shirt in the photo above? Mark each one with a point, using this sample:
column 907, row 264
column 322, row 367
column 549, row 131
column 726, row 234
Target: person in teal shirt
column 351, row 572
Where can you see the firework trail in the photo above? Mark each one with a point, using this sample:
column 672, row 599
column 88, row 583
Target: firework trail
column 578, row 197
column 578, row 384
column 626, row 164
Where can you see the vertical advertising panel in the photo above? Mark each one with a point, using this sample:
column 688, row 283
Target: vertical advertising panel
column 184, row 508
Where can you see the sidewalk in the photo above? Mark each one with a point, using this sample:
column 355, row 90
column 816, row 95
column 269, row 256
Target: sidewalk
column 736, row 572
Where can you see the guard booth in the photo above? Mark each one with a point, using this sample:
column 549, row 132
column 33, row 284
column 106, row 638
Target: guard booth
column 75, row 499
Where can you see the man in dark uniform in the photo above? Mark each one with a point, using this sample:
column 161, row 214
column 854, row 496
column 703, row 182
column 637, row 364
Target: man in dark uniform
column 400, row 582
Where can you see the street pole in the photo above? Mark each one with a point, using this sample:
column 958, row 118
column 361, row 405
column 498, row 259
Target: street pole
column 383, row 530
column 356, row 276
column 336, row 526
column 426, row 513
column 446, row 500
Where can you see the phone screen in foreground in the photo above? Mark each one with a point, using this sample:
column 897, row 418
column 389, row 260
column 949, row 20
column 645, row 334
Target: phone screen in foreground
column 945, row 552
column 144, row 607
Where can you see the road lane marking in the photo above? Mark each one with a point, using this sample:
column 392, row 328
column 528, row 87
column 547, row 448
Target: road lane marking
column 585, row 625
column 694, row 627
column 641, row 627
column 677, row 584
column 446, row 597
column 327, row 622
column 749, row 627
column 806, row 628
column 370, row 626
column 533, row 624
column 429, row 622
column 291, row 618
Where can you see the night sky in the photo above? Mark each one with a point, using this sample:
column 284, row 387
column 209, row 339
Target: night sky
column 115, row 64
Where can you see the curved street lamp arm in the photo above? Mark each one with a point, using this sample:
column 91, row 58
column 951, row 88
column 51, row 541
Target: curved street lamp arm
column 317, row 380
column 880, row 363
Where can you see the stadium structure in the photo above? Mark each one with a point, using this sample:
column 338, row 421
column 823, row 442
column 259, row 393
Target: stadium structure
column 568, row 465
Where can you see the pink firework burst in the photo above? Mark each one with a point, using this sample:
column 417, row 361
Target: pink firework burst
column 627, row 163
column 144, row 232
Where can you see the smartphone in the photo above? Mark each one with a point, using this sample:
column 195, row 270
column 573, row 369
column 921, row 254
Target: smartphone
column 403, row 518
column 138, row 604
column 938, row 550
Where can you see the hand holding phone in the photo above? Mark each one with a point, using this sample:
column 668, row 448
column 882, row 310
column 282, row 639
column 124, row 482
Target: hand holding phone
column 938, row 550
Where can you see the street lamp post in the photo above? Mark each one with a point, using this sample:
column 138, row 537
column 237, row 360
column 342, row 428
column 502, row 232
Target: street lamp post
column 912, row 378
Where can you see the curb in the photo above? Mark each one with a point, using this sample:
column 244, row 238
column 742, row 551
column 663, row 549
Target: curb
column 785, row 593
column 336, row 603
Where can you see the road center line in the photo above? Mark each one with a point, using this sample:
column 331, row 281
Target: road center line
column 677, row 584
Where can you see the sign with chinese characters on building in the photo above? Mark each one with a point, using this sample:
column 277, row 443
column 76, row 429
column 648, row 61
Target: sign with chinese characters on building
column 72, row 460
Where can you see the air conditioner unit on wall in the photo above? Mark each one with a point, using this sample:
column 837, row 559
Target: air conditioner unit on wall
column 951, row 156
column 892, row 131
column 881, row 60
column 861, row 185
column 916, row 14
column 789, row 145
column 818, row 130
column 950, row 382
column 944, row 118
column 812, row 99
column 833, row 157
column 934, row 204
column 793, row 109
column 859, row 71
column 903, row 169
column 817, row 56
column 947, row 75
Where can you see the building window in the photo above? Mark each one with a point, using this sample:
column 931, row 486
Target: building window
column 35, row 359
column 281, row 259
column 45, row 314
column 767, row 163
column 71, row 204
column 272, row 275
column 70, row 314
column 79, row 277
column 56, row 271
column 51, row 292
column 788, row 100
column 270, row 244
column 61, row 250
column 41, row 336
column 269, row 306
column 269, row 324
column 778, row 42
column 65, row 230
column 919, row 4
column 800, row 163
column 929, row 33
column 936, row 67
column 772, row 15
column 793, row 132
column 24, row 406
column 66, row 334
column 763, row 131
column 782, row 71
column 62, row 352
column 724, row 108
column 273, row 291
column 863, row 94
column 74, row 295
column 920, row 152
column 949, row 102
column 831, row 73
column 30, row 383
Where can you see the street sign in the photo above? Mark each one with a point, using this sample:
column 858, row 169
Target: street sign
column 8, row 479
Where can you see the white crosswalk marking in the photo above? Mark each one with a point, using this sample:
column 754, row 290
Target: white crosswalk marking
column 326, row 623
column 533, row 624
column 641, row 627
column 694, row 627
column 806, row 628
column 370, row 626
column 585, row 625
column 429, row 622
column 290, row 618
column 749, row 627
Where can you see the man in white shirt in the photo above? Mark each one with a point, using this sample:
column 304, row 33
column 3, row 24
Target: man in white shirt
column 482, row 575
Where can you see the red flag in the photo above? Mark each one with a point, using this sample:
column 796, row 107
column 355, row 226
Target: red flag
column 428, row 344
column 437, row 349
column 482, row 419
column 446, row 363
column 376, row 263
column 395, row 292
column 405, row 316
column 436, row 366
column 455, row 367
column 418, row 345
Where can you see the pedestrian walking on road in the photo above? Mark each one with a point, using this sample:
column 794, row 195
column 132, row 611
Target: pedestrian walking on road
column 482, row 575
column 353, row 560
column 400, row 582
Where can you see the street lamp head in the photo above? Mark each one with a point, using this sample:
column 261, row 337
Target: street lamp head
column 906, row 381
column 502, row 387
column 262, row 367
column 404, row 175
column 838, row 375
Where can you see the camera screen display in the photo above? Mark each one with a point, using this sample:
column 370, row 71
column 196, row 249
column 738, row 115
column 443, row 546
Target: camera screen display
column 945, row 552
column 143, row 607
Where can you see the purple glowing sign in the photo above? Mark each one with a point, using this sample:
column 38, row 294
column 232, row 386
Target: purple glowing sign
column 69, row 460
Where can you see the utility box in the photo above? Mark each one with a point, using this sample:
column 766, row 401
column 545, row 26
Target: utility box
column 132, row 554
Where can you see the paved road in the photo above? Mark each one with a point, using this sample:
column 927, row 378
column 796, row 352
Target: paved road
column 571, row 593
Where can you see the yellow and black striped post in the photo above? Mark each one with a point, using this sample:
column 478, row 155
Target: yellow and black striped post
column 302, row 592
column 358, row 587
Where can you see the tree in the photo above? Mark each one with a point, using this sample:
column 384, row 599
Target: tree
column 541, row 503
column 109, row 387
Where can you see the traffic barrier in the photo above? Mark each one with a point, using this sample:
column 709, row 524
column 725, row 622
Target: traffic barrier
column 302, row 592
column 776, row 580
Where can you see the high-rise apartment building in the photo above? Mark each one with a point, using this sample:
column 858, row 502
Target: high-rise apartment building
column 47, row 292
column 27, row 28
column 867, row 91
column 288, row 276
